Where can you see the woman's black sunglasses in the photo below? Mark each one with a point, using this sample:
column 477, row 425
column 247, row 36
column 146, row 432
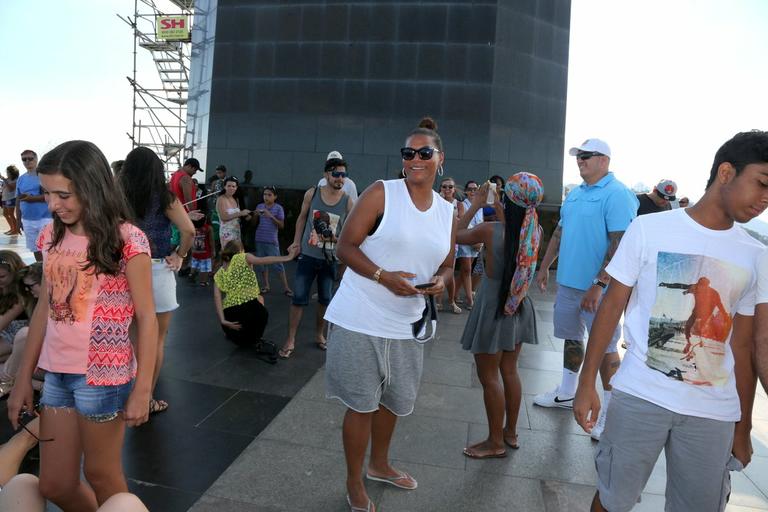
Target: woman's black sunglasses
column 424, row 153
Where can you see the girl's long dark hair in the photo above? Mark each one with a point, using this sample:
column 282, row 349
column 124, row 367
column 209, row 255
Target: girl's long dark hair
column 13, row 264
column 142, row 179
column 34, row 271
column 103, row 205
column 513, row 221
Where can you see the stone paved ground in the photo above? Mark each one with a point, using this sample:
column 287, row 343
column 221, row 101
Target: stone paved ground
column 297, row 462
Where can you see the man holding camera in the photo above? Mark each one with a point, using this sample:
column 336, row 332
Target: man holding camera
column 318, row 226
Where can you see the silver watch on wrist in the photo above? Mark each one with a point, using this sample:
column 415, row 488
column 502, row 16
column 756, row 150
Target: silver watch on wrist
column 597, row 282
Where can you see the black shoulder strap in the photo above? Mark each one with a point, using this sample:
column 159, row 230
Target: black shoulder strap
column 309, row 210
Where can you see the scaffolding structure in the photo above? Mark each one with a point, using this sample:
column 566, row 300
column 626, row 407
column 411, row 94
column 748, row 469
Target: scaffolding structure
column 160, row 107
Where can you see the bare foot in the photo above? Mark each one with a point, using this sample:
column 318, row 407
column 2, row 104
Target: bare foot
column 485, row 450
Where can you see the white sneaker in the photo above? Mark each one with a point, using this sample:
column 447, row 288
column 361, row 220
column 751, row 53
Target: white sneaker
column 597, row 430
column 554, row 399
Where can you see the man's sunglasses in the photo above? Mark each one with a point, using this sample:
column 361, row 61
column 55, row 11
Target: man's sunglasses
column 471, row 189
column 339, row 174
column 586, row 155
column 28, row 158
column 425, row 153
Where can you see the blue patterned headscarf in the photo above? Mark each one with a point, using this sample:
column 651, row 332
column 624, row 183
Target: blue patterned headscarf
column 526, row 191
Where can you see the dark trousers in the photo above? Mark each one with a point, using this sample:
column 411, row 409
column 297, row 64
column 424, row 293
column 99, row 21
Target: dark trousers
column 252, row 317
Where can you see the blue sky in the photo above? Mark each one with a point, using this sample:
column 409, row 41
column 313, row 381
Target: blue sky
column 664, row 82
column 65, row 65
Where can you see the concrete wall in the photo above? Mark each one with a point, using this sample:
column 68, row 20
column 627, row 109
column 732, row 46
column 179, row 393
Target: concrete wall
column 291, row 81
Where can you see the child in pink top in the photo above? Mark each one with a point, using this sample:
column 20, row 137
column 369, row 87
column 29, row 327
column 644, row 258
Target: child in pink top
column 96, row 280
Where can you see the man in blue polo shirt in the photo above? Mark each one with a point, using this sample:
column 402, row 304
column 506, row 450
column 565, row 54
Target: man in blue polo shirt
column 593, row 218
column 31, row 208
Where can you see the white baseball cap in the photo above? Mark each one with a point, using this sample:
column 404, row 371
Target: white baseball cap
column 334, row 155
column 597, row 145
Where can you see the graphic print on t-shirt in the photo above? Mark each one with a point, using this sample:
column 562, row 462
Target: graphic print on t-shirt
column 691, row 319
column 68, row 286
column 323, row 232
column 198, row 243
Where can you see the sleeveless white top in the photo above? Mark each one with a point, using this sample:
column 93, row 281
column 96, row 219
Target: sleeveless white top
column 407, row 240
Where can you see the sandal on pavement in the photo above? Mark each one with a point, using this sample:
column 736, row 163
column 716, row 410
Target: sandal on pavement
column 265, row 290
column 285, row 353
column 368, row 508
column 322, row 345
column 456, row 309
column 288, row 293
column 393, row 480
column 156, row 406
column 514, row 445
column 469, row 452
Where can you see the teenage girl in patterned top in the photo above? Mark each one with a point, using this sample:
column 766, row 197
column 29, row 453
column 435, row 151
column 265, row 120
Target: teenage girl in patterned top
column 96, row 280
column 241, row 312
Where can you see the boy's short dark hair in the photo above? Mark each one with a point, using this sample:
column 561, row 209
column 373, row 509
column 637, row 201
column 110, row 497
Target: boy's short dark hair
column 743, row 149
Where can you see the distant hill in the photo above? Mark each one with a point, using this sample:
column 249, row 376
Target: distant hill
column 758, row 229
column 757, row 225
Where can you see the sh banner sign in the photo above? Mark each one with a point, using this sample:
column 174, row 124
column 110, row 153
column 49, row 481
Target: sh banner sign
column 173, row 28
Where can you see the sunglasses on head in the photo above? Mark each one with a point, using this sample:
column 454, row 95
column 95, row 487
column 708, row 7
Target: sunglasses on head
column 586, row 155
column 27, row 158
column 424, row 153
column 339, row 174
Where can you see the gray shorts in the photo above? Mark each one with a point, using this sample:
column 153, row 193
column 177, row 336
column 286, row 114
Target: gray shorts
column 697, row 452
column 572, row 322
column 364, row 371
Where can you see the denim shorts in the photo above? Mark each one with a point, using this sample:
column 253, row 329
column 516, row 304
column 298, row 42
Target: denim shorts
column 307, row 269
column 264, row 249
column 201, row 265
column 96, row 403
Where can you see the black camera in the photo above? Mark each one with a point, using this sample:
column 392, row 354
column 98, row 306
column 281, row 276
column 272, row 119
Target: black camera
column 322, row 227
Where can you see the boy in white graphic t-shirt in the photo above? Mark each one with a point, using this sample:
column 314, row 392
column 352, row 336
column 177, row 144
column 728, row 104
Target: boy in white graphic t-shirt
column 686, row 385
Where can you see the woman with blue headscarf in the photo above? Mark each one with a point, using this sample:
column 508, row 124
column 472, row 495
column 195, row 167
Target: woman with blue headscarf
column 503, row 316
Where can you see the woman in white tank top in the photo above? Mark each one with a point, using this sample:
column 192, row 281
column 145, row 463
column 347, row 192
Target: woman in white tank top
column 400, row 234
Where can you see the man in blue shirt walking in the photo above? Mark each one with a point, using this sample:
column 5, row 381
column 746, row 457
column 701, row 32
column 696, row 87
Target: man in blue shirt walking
column 31, row 208
column 593, row 218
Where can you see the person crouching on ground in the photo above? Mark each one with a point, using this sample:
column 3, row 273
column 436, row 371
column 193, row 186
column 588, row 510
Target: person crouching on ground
column 241, row 311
